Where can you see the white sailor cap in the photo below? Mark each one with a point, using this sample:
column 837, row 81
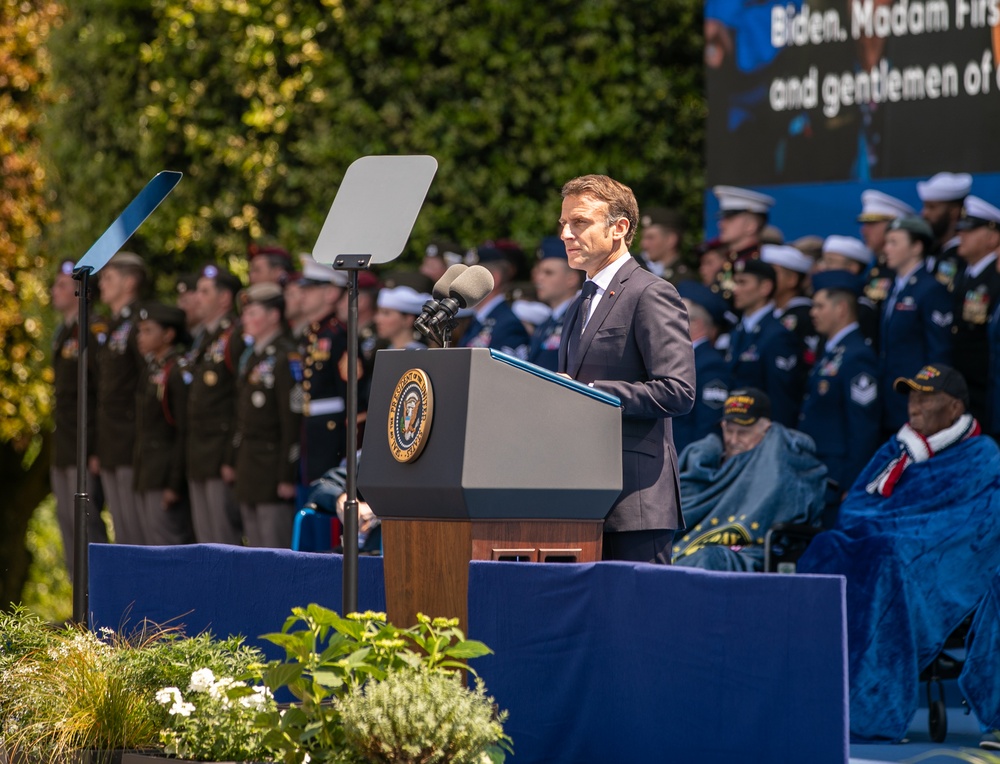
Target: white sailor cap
column 786, row 256
column 403, row 298
column 945, row 187
column 877, row 206
column 317, row 273
column 977, row 213
column 733, row 199
column 850, row 247
column 531, row 312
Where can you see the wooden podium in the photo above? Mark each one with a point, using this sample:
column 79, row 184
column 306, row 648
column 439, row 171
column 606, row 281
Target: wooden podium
column 473, row 455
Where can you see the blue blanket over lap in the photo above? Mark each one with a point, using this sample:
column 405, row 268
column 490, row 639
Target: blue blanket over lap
column 917, row 563
column 728, row 506
column 980, row 678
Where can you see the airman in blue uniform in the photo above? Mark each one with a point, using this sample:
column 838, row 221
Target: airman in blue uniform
column 916, row 318
column 495, row 325
column 841, row 410
column 763, row 353
column 557, row 285
column 707, row 316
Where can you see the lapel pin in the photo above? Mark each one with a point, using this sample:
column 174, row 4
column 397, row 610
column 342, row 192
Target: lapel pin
column 611, row 293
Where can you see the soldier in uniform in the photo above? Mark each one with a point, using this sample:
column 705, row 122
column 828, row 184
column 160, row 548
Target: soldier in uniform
column 743, row 216
column 187, row 300
column 943, row 196
column 877, row 211
column 791, row 305
column 265, row 448
column 975, row 291
column 762, row 353
column 65, row 365
column 707, row 317
column 661, row 241
column 495, row 325
column 845, row 253
column 439, row 256
column 211, row 408
column 324, row 352
column 269, row 263
column 916, row 319
column 398, row 307
column 161, row 406
column 557, row 285
column 841, row 411
column 119, row 364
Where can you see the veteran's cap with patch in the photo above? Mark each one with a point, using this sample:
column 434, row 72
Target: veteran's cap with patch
column 746, row 405
column 935, row 378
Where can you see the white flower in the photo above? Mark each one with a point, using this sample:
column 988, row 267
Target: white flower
column 221, row 685
column 306, row 759
column 202, row 680
column 168, row 695
column 257, row 700
column 182, row 709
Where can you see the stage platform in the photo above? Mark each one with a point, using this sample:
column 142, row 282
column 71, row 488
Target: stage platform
column 601, row 662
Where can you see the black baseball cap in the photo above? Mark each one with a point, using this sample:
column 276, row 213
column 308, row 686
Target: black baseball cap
column 935, row 378
column 746, row 405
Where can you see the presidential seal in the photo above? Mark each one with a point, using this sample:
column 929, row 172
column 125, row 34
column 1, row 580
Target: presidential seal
column 410, row 414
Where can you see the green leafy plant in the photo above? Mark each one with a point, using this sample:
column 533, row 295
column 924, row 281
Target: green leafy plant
column 215, row 720
column 69, row 689
column 329, row 657
column 423, row 717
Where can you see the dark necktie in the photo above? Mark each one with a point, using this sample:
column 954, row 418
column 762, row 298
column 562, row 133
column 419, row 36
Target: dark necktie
column 587, row 293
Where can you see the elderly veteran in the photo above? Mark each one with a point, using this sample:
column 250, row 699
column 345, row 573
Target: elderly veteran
column 918, row 538
column 732, row 490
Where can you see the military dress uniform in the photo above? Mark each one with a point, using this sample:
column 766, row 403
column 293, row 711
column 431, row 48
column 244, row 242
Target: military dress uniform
column 765, row 355
column 119, row 364
column 324, row 408
column 975, row 292
column 159, row 463
column 915, row 331
column 711, row 390
column 544, row 348
column 499, row 329
column 265, row 449
column 796, row 318
column 211, row 421
column 841, row 410
column 65, row 364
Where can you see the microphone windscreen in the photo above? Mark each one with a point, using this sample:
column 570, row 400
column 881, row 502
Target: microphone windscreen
column 472, row 286
column 443, row 285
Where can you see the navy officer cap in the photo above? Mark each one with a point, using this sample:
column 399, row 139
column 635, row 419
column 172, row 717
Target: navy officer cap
column 840, row 281
column 701, row 295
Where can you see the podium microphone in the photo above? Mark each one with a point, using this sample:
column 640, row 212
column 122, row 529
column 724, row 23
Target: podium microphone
column 441, row 291
column 467, row 291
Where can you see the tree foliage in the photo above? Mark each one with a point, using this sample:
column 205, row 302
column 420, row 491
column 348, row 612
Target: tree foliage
column 263, row 104
column 25, row 395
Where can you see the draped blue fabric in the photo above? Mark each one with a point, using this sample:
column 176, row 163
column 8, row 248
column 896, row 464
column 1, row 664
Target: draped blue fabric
column 917, row 563
column 728, row 506
column 219, row 588
column 980, row 678
column 629, row 662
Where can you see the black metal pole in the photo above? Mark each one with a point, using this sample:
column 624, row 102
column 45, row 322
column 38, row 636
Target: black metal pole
column 81, row 501
column 352, row 264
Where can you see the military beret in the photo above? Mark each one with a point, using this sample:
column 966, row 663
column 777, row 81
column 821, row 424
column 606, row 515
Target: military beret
column 223, row 279
column 660, row 216
column 266, row 293
column 552, row 247
column 914, row 225
column 167, row 316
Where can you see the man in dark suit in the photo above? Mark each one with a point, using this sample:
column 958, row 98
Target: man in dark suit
column 627, row 335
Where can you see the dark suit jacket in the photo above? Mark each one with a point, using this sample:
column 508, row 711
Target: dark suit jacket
column 637, row 347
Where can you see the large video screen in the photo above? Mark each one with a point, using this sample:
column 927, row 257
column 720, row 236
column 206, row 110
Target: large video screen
column 854, row 90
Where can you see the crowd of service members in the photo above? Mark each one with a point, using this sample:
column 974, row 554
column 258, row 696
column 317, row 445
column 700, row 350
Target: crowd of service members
column 210, row 418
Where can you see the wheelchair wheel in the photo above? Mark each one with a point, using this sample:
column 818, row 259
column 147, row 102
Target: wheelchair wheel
column 937, row 720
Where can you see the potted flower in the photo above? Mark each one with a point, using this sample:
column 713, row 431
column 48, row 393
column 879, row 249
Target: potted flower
column 64, row 692
column 345, row 672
